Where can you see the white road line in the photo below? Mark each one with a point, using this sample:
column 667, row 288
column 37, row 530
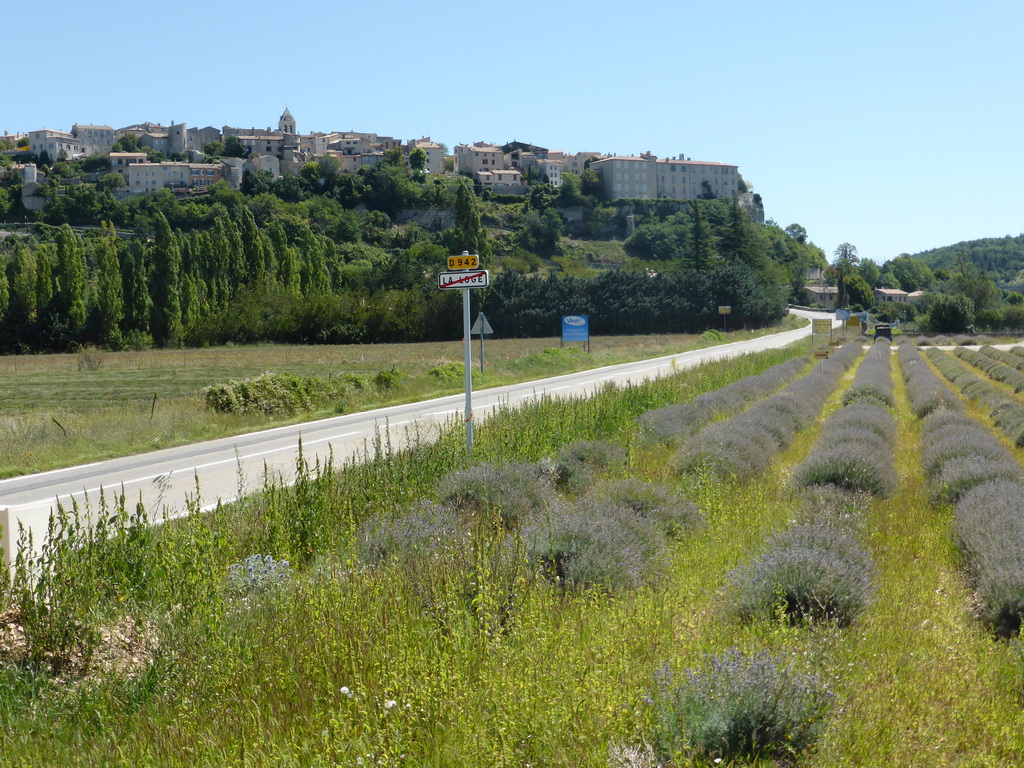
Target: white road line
column 234, row 459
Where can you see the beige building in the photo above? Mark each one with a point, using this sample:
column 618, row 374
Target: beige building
column 577, row 163
column 95, row 139
column 120, row 161
column 891, row 296
column 471, row 160
column 150, row 177
column 435, row 155
column 502, row 180
column 647, row 177
column 56, row 144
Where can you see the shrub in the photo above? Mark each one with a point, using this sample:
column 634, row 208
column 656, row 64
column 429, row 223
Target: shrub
column 739, row 706
column 596, row 543
column 675, row 421
column 272, row 393
column 957, row 477
column 814, row 572
column 859, row 417
column 578, row 464
column 388, row 379
column 665, row 508
column 833, row 505
column 425, row 530
column 508, row 494
column 849, row 466
column 448, row 374
column 990, row 532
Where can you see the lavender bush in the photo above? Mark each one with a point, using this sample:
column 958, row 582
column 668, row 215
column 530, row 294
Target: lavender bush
column 578, row 464
column 596, row 543
column 679, row 421
column 739, row 706
column 990, row 532
column 925, row 390
column 873, row 381
column 659, row 504
column 748, row 442
column 425, row 530
column 505, row 493
column 810, row 572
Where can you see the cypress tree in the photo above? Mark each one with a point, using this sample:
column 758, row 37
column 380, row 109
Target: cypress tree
column 109, row 290
column 69, row 280
column 166, row 285
column 22, row 308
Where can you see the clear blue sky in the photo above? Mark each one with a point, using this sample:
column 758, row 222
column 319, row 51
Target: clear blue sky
column 895, row 126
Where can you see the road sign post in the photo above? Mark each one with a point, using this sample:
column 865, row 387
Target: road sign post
column 481, row 326
column 725, row 310
column 468, row 276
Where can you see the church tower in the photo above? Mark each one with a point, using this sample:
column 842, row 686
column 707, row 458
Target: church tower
column 287, row 123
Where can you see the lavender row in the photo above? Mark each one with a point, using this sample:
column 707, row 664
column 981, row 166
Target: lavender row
column 994, row 369
column 614, row 536
column 855, row 448
column 680, row 421
column 873, row 381
column 926, row 391
column 748, row 442
column 1012, row 359
column 968, row 466
column 1006, row 413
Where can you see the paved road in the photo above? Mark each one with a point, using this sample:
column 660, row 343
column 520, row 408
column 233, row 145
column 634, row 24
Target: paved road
column 232, row 466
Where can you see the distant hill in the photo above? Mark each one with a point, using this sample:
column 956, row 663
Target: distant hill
column 1001, row 257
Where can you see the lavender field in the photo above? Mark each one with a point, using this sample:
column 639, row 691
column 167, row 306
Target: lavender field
column 770, row 561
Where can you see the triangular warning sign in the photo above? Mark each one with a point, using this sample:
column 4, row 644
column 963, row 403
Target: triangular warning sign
column 481, row 325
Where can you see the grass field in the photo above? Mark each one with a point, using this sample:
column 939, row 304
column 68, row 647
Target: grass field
column 61, row 410
column 459, row 655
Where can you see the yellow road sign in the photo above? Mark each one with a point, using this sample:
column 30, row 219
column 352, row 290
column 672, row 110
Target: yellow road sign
column 464, row 261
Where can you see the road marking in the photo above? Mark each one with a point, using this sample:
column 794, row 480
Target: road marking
column 193, row 469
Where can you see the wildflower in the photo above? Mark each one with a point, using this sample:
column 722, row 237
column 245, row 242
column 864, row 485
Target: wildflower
column 389, row 703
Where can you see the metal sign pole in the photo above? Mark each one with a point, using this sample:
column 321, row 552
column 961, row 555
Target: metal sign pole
column 468, row 340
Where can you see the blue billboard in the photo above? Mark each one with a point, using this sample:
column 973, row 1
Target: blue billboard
column 575, row 328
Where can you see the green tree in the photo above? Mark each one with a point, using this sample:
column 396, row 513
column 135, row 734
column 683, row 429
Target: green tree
column 871, row 272
column 233, row 147
column 128, row 142
column 213, row 149
column 974, row 283
column 109, row 290
column 844, row 264
column 858, row 290
column 950, row 314
column 913, row 274
column 797, row 232
column 418, row 159
column 703, row 255
column 110, row 182
column 138, row 305
column 165, row 286
column 22, row 308
column 69, row 280
column 469, row 234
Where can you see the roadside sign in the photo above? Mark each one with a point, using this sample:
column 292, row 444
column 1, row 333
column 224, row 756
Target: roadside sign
column 576, row 328
column 821, row 325
column 725, row 310
column 481, row 325
column 853, row 322
column 479, row 278
column 842, row 314
column 821, row 354
column 464, row 261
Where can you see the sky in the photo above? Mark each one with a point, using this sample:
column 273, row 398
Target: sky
column 892, row 125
